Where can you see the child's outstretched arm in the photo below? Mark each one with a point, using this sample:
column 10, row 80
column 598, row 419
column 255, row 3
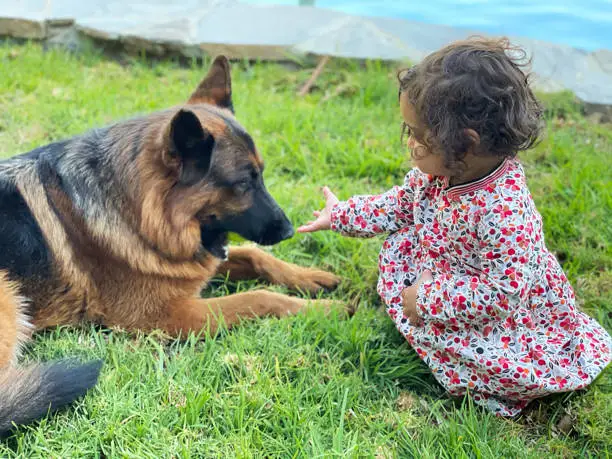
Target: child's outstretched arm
column 368, row 215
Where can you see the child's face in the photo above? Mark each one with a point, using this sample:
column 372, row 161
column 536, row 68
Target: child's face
column 424, row 159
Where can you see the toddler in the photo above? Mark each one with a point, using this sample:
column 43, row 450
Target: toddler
column 464, row 272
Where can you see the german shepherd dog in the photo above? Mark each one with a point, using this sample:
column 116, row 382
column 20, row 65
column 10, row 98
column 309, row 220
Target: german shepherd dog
column 123, row 226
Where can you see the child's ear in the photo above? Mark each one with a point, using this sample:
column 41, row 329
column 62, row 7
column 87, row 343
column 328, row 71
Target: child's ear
column 472, row 139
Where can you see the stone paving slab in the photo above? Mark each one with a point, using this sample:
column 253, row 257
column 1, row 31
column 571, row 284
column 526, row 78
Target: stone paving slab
column 277, row 32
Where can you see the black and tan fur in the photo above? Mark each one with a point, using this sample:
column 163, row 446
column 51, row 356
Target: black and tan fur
column 123, row 226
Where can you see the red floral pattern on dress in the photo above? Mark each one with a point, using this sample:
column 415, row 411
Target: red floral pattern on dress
column 499, row 317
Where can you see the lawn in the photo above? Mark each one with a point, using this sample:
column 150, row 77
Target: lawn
column 309, row 385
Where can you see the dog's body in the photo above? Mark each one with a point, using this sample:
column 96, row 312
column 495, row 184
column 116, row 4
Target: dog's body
column 123, row 226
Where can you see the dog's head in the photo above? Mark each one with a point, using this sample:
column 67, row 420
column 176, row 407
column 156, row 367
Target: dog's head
column 216, row 170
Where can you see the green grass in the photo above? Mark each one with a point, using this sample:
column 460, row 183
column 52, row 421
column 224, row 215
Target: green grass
column 306, row 386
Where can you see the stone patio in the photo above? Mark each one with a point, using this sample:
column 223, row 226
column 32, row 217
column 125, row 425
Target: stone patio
column 194, row 28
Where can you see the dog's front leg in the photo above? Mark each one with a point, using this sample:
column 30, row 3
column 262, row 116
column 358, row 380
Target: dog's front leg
column 195, row 314
column 247, row 262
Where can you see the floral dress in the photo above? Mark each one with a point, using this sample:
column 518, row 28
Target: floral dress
column 499, row 317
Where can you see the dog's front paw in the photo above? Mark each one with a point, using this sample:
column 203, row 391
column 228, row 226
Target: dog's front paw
column 314, row 281
column 343, row 308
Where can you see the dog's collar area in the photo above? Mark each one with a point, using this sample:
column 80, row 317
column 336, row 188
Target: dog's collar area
column 215, row 242
column 218, row 251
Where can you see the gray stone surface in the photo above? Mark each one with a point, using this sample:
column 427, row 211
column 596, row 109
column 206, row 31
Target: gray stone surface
column 195, row 27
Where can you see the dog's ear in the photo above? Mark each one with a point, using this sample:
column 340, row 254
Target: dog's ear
column 189, row 148
column 216, row 87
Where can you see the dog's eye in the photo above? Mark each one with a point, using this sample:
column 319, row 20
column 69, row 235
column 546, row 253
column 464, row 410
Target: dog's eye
column 242, row 187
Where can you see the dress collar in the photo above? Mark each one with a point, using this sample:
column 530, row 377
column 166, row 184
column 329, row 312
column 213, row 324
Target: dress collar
column 457, row 190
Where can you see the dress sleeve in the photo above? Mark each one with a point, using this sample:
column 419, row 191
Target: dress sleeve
column 369, row 215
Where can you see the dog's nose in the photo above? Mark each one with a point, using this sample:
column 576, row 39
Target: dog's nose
column 288, row 233
column 287, row 230
column 278, row 230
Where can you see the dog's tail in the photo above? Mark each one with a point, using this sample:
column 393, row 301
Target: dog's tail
column 27, row 394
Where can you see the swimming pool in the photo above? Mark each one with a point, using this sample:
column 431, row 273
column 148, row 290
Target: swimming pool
column 585, row 24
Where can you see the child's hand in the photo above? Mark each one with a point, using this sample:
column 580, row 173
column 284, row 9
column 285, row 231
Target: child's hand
column 323, row 221
column 409, row 296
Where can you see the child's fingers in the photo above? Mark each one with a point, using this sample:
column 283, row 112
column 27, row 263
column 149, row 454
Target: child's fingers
column 308, row 227
column 316, row 213
column 329, row 196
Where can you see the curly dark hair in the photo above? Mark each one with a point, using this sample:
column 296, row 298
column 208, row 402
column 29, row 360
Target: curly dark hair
column 474, row 84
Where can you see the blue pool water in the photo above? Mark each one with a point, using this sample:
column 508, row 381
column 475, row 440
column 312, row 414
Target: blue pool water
column 585, row 24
